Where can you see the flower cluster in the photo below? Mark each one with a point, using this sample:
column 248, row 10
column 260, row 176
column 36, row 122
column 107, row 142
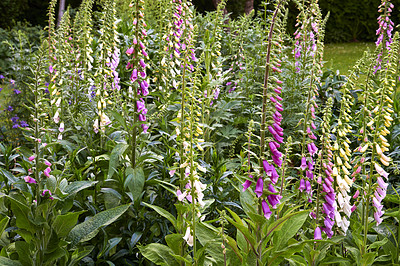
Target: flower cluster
column 137, row 63
column 329, row 207
column 384, row 32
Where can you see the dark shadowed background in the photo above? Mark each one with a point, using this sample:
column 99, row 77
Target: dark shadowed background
column 350, row 20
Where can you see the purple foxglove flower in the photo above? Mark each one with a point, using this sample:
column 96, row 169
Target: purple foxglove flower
column 277, row 160
column 317, row 234
column 266, row 210
column 310, row 166
column 308, row 186
column 278, row 98
column 134, row 75
column 278, row 108
column 272, row 99
column 378, row 219
column 47, row 192
column 143, row 74
column 47, row 171
column 274, row 200
column 144, row 53
column 31, row 158
column 303, row 165
column 268, row 168
column 309, row 174
column 47, row 163
column 274, row 177
column 302, row 185
column 356, row 194
column 140, row 105
column 142, row 63
column 272, row 146
column 259, row 187
column 382, row 183
column 247, row 183
column 30, row 180
column 130, row 51
column 145, row 127
column 142, row 117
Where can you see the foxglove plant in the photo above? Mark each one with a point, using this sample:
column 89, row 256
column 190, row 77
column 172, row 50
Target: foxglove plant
column 384, row 32
column 377, row 127
column 342, row 154
column 308, row 45
column 103, row 75
column 326, row 197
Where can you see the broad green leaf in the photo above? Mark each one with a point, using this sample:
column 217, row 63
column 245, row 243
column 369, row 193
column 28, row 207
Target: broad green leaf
column 8, row 262
column 163, row 213
column 158, row 254
column 333, row 261
column 56, row 254
column 80, row 254
column 378, row 244
column 118, row 151
column 3, row 224
column 135, row 181
column 289, row 229
column 111, row 243
column 93, row 224
column 174, row 241
column 63, row 224
column 24, row 253
column 77, row 186
column 368, row 258
column 239, row 225
column 21, row 212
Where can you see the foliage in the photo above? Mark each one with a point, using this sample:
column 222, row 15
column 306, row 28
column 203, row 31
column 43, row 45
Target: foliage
column 156, row 135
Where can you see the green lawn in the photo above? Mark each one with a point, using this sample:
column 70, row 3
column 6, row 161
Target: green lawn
column 342, row 56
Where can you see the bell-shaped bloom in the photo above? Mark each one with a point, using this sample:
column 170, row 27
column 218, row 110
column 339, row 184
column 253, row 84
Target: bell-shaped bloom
column 268, row 168
column 317, row 234
column 266, row 210
column 274, row 177
column 188, row 237
column 308, row 186
column 303, row 165
column 29, row 180
column 274, row 200
column 302, row 185
column 247, row 183
column 47, row 171
column 134, row 75
column 129, row 51
column 31, row 158
column 381, row 171
column 259, row 187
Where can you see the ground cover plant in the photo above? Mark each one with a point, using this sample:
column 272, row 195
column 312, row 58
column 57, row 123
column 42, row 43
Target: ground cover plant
column 155, row 135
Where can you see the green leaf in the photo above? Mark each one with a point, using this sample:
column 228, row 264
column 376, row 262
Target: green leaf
column 118, row 150
column 119, row 118
column 333, row 261
column 92, row 225
column 24, row 253
column 368, row 258
column 21, row 212
column 378, row 244
column 63, row 224
column 163, row 213
column 289, row 229
column 3, row 224
column 239, row 225
column 174, row 241
column 7, row 262
column 77, row 186
column 80, row 254
column 135, row 181
column 158, row 254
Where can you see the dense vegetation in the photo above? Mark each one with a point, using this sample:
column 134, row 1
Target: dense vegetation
column 158, row 135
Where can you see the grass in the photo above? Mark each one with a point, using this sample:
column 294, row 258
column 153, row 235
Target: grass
column 342, row 56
